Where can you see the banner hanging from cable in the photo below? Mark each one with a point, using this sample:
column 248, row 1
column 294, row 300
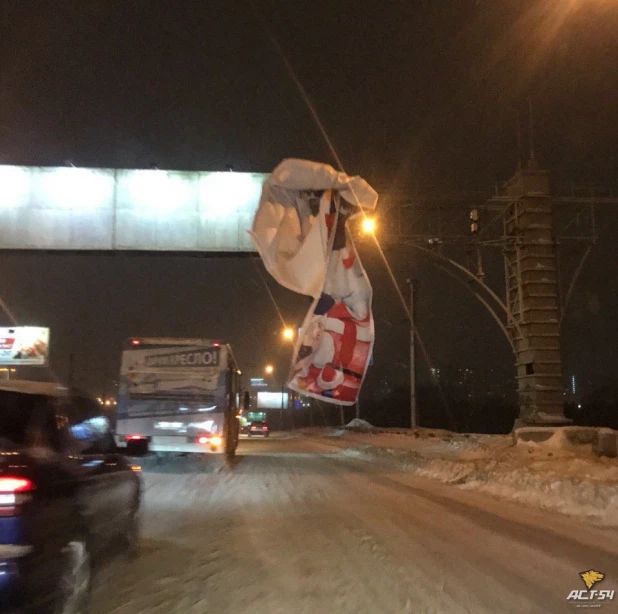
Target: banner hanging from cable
column 300, row 230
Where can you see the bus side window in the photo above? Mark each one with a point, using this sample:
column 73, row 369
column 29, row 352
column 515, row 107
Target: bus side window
column 234, row 384
column 238, row 393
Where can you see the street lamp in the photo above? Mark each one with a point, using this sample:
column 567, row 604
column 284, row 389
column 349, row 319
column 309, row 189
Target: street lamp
column 288, row 334
column 369, row 225
column 269, row 370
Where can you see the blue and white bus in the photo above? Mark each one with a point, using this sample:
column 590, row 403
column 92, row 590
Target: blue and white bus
column 181, row 395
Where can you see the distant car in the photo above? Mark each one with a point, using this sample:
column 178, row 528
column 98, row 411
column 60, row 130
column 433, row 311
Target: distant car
column 66, row 495
column 258, row 429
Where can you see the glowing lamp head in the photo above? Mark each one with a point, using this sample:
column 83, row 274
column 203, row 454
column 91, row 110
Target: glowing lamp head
column 269, row 369
column 288, row 334
column 369, row 225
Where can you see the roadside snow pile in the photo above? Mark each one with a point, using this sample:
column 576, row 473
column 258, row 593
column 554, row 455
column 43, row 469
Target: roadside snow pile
column 558, row 441
column 593, row 500
column 360, row 426
column 554, row 475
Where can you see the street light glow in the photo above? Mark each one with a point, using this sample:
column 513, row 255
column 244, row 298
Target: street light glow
column 288, row 334
column 269, row 369
column 369, row 225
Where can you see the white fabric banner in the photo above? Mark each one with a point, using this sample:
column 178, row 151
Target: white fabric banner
column 300, row 231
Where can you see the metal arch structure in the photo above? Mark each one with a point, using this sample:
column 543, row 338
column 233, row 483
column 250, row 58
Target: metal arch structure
column 485, row 304
column 531, row 226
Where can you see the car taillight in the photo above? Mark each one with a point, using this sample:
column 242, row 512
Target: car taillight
column 14, row 492
column 203, row 440
column 133, row 437
column 264, row 428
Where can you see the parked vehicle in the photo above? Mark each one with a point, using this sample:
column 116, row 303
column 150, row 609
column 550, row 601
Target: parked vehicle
column 66, row 495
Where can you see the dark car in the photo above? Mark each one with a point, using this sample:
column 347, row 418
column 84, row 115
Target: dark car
column 66, row 496
column 258, row 429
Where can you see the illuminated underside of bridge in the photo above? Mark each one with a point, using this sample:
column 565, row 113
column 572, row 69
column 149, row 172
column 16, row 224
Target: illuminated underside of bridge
column 84, row 209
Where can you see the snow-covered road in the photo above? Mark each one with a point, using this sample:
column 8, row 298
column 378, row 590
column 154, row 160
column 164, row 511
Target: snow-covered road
column 298, row 527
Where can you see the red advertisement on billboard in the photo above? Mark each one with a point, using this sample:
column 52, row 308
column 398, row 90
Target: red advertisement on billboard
column 24, row 345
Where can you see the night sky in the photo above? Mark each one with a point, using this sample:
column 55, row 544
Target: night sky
column 421, row 94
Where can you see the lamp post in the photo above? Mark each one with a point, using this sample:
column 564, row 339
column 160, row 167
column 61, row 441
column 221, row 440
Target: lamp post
column 287, row 334
column 269, row 370
column 413, row 412
column 281, row 410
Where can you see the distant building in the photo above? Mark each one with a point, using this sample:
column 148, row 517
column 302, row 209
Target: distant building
column 476, row 384
column 385, row 387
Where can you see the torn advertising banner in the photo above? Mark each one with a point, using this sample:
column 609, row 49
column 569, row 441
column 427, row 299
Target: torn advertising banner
column 300, row 231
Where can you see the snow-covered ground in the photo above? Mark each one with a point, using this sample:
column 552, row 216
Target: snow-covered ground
column 554, row 475
column 300, row 526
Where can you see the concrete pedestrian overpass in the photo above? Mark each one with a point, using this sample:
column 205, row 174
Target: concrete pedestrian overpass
column 105, row 210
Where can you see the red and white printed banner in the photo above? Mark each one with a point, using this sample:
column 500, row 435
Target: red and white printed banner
column 300, row 231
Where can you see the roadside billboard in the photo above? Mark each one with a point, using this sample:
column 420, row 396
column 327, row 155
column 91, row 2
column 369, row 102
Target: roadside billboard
column 24, row 346
column 272, row 400
column 103, row 209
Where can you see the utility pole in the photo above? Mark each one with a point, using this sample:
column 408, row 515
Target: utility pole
column 71, row 369
column 413, row 415
column 281, row 410
column 291, row 405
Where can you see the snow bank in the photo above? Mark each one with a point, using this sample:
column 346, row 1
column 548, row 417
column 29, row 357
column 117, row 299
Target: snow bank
column 361, row 426
column 554, row 475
